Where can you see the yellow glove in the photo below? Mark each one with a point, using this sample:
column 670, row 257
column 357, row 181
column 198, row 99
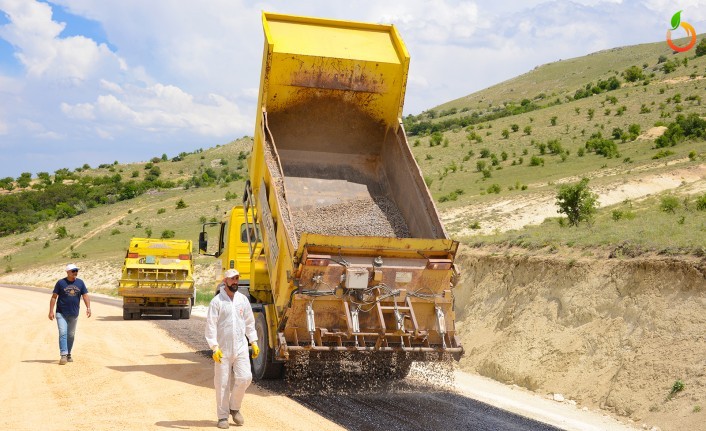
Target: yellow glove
column 217, row 355
column 255, row 350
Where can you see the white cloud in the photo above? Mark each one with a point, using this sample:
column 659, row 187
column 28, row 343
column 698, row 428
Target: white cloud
column 51, row 136
column 178, row 76
column 693, row 10
column 162, row 108
column 443, row 22
column 104, row 134
column 110, row 87
column 80, row 111
column 42, row 52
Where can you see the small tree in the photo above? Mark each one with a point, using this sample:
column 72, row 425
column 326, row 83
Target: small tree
column 633, row 73
column 61, row 232
column 577, row 202
column 701, row 48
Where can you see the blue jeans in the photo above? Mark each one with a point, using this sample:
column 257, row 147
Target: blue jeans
column 67, row 330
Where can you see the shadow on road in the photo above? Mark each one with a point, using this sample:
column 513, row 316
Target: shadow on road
column 186, row 424
column 195, row 373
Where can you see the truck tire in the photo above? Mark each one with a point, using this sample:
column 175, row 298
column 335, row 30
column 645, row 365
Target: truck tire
column 186, row 313
column 127, row 315
column 176, row 314
column 263, row 367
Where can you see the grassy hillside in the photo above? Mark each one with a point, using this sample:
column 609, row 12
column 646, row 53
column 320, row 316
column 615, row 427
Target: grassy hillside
column 103, row 233
column 558, row 120
column 473, row 169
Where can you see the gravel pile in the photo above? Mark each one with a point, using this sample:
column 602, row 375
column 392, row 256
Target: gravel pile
column 374, row 216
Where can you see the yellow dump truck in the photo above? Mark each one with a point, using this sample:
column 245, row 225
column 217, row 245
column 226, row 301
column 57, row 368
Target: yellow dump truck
column 158, row 278
column 340, row 243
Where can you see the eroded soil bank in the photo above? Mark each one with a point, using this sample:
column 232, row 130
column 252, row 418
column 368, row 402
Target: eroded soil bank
column 610, row 333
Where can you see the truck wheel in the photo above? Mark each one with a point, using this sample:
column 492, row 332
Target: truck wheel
column 127, row 315
column 176, row 314
column 262, row 366
column 186, row 313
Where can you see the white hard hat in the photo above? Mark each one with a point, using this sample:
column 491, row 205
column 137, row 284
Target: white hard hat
column 71, row 267
column 231, row 273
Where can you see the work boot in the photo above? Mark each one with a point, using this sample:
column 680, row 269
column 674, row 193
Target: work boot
column 237, row 417
column 69, row 358
column 223, row 423
column 63, row 360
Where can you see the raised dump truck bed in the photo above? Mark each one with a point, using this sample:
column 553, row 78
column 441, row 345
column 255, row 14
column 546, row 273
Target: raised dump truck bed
column 351, row 260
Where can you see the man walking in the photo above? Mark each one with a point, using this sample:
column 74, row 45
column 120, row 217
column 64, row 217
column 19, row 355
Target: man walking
column 69, row 291
column 228, row 322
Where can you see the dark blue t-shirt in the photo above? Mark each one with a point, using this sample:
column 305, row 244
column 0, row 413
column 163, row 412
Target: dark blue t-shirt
column 69, row 299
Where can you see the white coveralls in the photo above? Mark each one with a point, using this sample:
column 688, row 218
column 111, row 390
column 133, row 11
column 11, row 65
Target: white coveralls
column 228, row 322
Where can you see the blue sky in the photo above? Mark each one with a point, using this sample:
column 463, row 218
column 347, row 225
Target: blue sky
column 94, row 81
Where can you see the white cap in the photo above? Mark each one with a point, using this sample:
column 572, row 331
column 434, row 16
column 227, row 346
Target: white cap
column 231, row 273
column 71, row 267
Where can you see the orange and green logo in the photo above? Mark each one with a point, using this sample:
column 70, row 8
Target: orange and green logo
column 676, row 23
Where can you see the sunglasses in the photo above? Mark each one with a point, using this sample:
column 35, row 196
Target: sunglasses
column 74, row 270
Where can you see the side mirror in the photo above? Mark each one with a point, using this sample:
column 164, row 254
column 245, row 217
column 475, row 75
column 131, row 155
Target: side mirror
column 203, row 242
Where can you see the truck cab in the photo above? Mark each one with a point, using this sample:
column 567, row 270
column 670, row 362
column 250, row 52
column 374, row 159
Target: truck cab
column 238, row 243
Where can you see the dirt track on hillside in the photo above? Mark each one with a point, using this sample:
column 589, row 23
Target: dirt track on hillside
column 505, row 214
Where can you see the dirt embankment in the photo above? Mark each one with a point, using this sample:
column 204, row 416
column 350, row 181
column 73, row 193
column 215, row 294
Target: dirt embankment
column 611, row 333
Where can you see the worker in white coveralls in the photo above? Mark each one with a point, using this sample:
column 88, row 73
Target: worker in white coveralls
column 228, row 322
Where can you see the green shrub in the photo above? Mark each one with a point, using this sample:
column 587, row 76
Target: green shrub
column 605, row 147
column 669, row 203
column 701, row 48
column 622, row 214
column 701, row 202
column 495, row 188
column 691, row 126
column 677, row 387
column 167, row 234
column 451, row 196
column 61, row 232
column 536, row 161
column 633, row 73
column 662, row 154
column 554, row 146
